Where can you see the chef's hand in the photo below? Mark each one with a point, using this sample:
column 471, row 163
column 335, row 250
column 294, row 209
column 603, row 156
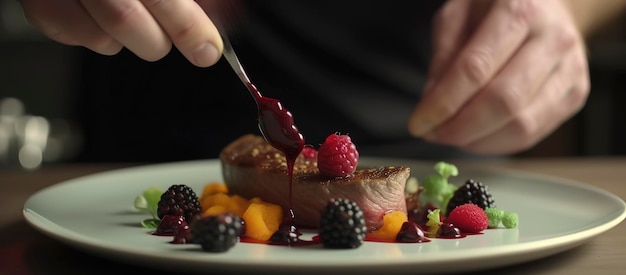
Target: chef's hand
column 148, row 28
column 504, row 75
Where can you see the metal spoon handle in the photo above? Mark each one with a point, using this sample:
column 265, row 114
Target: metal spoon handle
column 233, row 60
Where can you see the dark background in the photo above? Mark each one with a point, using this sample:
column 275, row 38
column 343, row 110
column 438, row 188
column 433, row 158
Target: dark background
column 45, row 77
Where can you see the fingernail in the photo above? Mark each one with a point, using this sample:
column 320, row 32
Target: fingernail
column 205, row 55
column 421, row 127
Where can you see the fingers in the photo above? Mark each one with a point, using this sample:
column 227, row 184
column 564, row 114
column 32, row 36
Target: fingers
column 510, row 91
column 130, row 23
column 190, row 29
column 497, row 38
column 449, row 35
column 148, row 28
column 67, row 22
column 561, row 98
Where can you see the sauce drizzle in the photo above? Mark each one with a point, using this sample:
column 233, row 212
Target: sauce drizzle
column 279, row 130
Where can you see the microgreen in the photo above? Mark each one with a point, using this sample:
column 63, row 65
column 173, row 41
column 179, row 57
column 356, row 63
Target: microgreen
column 150, row 223
column 148, row 202
column 495, row 216
column 446, row 169
column 437, row 189
column 510, row 220
column 433, row 223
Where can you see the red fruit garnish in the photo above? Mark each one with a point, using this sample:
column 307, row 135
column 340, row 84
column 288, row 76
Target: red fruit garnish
column 469, row 218
column 337, row 156
column 309, row 152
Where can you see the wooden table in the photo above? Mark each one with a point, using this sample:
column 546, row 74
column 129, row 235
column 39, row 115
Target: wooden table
column 23, row 250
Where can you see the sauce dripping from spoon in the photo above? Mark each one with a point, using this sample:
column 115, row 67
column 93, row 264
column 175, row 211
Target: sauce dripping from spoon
column 279, row 130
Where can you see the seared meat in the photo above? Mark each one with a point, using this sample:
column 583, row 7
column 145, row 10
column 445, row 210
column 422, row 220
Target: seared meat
column 253, row 168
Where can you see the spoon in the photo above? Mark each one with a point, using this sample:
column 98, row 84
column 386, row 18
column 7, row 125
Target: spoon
column 275, row 121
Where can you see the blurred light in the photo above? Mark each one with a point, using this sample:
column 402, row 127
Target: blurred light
column 36, row 130
column 29, row 140
column 30, row 156
column 11, row 109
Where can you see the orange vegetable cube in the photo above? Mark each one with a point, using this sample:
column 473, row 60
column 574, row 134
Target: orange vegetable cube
column 262, row 220
column 392, row 223
column 214, row 199
column 214, row 188
column 238, row 205
column 256, row 200
column 214, row 210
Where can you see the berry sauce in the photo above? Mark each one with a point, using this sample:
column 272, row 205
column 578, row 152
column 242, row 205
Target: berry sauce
column 173, row 225
column 278, row 128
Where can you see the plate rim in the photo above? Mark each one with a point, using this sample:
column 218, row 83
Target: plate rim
column 506, row 257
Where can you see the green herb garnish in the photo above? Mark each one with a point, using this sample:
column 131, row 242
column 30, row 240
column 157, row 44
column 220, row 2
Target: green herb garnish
column 510, row 220
column 495, row 216
column 148, row 202
column 434, row 222
column 437, row 189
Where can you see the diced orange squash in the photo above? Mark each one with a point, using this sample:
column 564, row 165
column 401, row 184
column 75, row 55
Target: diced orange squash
column 214, row 210
column 237, row 205
column 230, row 203
column 214, row 188
column 215, row 199
column 256, row 199
column 262, row 220
column 392, row 223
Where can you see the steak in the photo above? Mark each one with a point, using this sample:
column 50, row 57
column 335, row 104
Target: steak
column 253, row 168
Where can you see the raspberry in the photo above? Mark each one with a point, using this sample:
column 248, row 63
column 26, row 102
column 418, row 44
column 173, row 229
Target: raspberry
column 179, row 200
column 469, row 218
column 217, row 233
column 471, row 192
column 309, row 152
column 342, row 224
column 337, row 156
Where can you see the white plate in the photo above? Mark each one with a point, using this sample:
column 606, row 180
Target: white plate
column 95, row 213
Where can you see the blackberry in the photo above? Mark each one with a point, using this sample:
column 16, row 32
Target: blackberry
column 179, row 200
column 342, row 224
column 217, row 233
column 471, row 192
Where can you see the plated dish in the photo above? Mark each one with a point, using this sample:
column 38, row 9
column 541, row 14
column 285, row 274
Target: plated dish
column 95, row 213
